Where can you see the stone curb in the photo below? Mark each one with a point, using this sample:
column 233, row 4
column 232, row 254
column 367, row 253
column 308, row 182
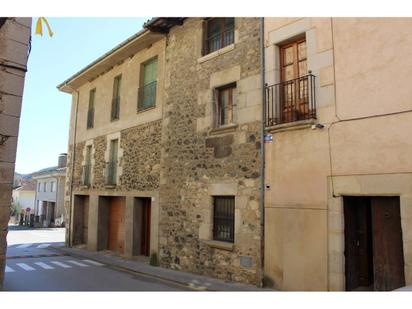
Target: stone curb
column 192, row 281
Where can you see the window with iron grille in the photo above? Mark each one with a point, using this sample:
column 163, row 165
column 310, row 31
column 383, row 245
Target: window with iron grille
column 116, row 98
column 225, row 103
column 224, row 218
column 219, row 32
column 148, row 83
column 87, row 166
column 90, row 111
column 111, row 166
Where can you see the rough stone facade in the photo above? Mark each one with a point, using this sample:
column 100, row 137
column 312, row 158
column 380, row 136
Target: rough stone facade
column 14, row 41
column 199, row 162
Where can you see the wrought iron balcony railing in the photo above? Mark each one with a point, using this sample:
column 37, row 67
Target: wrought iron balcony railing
column 86, row 179
column 147, row 96
column 111, row 173
column 291, row 101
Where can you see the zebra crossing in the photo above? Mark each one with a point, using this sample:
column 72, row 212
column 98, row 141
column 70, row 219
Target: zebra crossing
column 38, row 246
column 48, row 265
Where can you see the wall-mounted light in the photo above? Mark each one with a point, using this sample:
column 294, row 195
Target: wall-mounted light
column 317, row 126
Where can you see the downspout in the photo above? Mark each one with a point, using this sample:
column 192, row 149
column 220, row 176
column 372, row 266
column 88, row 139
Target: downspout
column 72, row 167
column 262, row 151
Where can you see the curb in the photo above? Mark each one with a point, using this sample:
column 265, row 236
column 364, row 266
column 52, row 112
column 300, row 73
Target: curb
column 183, row 283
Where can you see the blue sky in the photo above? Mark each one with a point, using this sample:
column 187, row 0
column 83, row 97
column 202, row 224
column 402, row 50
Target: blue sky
column 45, row 116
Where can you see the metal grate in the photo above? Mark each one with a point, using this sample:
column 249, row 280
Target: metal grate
column 147, row 96
column 115, row 108
column 290, row 101
column 224, row 218
column 111, row 173
column 86, row 175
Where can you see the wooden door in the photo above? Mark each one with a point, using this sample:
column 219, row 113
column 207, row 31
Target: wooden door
column 116, row 224
column 85, row 218
column 358, row 251
column 388, row 261
column 145, row 231
column 294, row 91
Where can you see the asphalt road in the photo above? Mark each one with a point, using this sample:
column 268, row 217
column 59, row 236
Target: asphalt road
column 33, row 266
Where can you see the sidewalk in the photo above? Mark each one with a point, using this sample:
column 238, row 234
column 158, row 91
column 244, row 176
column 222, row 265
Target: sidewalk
column 196, row 282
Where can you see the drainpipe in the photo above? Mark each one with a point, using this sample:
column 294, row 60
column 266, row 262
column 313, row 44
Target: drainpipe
column 262, row 150
column 72, row 167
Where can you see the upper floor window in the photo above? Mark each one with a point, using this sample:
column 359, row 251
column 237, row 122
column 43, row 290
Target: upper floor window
column 53, row 186
column 224, row 218
column 116, row 98
column 38, row 187
column 44, row 186
column 111, row 167
column 293, row 98
column 87, row 166
column 90, row 111
column 147, row 89
column 219, row 32
column 225, row 103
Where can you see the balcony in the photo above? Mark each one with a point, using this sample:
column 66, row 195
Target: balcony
column 111, row 173
column 147, row 96
column 86, row 173
column 290, row 101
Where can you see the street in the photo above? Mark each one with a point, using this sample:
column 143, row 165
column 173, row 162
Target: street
column 32, row 265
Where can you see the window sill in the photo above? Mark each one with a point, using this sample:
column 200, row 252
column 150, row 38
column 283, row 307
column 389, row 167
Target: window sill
column 216, row 53
column 110, row 186
column 84, row 187
column 297, row 125
column 224, row 129
column 146, row 110
column 219, row 244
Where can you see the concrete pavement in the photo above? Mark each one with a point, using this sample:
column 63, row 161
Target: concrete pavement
column 189, row 280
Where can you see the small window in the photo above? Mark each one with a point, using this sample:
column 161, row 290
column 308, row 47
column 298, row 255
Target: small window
column 44, row 186
column 148, row 83
column 224, row 218
column 111, row 168
column 38, row 187
column 225, row 105
column 53, row 186
column 90, row 111
column 219, row 32
column 116, row 98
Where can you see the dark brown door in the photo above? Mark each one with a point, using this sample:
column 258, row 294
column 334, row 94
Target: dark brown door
column 85, row 218
column 146, row 218
column 388, row 262
column 358, row 249
column 294, row 98
column 116, row 224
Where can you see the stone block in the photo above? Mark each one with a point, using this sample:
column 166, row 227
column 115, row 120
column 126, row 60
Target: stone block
column 10, row 105
column 12, row 82
column 326, row 76
column 9, row 125
column 336, row 282
column 222, row 189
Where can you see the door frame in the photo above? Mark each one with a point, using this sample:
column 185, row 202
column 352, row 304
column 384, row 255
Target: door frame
column 364, row 185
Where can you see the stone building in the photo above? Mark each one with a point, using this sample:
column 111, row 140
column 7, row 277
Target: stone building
column 49, row 201
column 338, row 174
column 164, row 148
column 14, row 47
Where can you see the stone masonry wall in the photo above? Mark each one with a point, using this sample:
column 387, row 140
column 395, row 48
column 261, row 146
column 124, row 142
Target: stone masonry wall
column 14, row 41
column 197, row 163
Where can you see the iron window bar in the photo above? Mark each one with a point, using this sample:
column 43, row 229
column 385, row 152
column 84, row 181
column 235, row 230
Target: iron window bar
column 224, row 218
column 291, row 101
column 111, row 173
column 147, row 96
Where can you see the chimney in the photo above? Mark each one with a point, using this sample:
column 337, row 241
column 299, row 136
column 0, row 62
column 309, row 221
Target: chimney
column 62, row 160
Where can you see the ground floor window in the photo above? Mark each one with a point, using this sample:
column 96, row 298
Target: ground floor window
column 224, row 218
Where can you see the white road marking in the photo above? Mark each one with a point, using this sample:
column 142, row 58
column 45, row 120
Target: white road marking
column 44, row 265
column 9, row 269
column 25, row 266
column 43, row 246
column 61, row 264
column 23, row 246
column 93, row 262
column 78, row 263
